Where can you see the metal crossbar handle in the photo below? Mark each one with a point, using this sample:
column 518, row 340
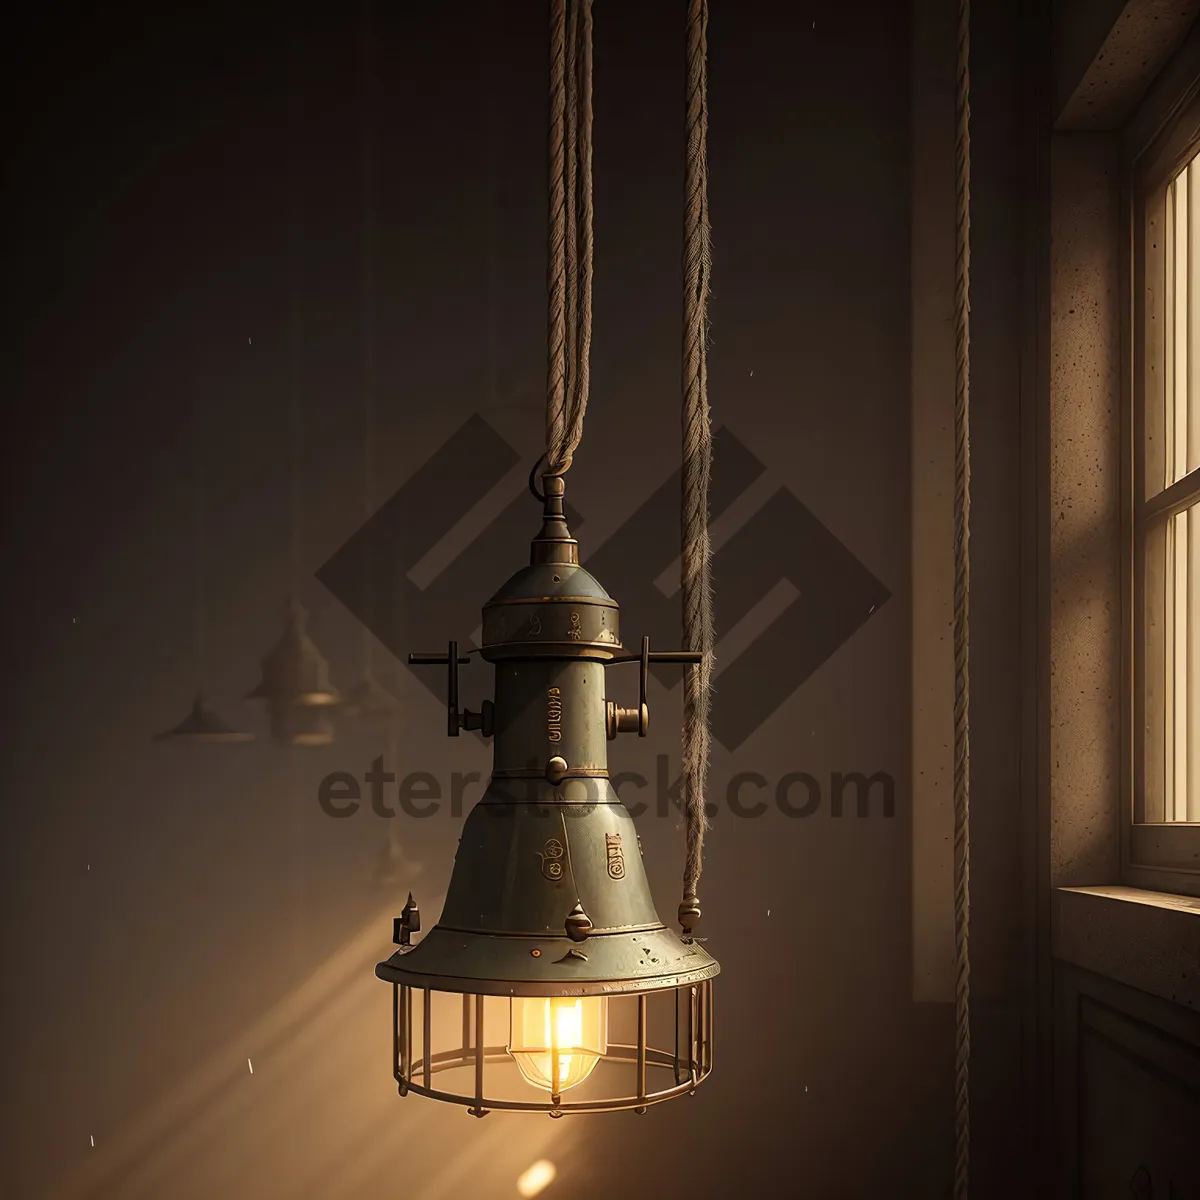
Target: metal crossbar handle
column 637, row 720
column 456, row 718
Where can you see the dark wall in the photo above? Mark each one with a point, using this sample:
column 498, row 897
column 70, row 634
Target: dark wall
column 1010, row 107
column 160, row 903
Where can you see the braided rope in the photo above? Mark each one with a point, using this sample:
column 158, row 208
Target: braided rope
column 571, row 240
column 586, row 240
column 556, row 266
column 962, row 596
column 570, row 334
column 571, row 236
column 697, row 463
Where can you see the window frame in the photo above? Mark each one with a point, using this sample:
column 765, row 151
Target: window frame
column 1160, row 139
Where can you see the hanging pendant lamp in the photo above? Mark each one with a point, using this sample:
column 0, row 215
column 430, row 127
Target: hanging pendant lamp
column 202, row 726
column 549, row 972
column 550, row 961
column 295, row 685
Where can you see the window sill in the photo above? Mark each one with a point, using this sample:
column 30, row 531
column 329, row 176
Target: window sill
column 1163, row 858
column 1147, row 940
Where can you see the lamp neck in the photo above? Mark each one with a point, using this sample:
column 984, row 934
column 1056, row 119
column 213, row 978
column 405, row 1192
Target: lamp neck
column 554, row 544
column 550, row 720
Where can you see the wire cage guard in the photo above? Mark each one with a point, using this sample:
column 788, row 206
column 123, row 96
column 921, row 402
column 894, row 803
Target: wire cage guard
column 682, row 1069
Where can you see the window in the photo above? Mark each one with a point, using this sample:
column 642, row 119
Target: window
column 1163, row 848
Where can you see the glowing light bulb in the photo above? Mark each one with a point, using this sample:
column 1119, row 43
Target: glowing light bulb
column 556, row 1043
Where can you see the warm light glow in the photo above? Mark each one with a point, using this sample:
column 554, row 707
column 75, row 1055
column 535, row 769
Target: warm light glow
column 557, row 1043
column 537, row 1179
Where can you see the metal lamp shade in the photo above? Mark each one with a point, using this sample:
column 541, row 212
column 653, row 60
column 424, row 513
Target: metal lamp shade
column 294, row 672
column 510, row 1009
column 549, row 970
column 524, row 861
column 202, row 726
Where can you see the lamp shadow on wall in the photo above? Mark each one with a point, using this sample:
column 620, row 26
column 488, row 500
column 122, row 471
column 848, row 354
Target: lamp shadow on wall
column 301, row 1103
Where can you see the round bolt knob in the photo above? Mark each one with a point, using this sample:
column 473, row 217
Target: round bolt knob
column 689, row 914
column 556, row 769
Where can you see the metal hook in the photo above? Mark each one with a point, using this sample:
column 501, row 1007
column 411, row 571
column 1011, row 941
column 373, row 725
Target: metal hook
column 541, row 499
column 533, row 474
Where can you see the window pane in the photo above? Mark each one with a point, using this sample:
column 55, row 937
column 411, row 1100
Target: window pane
column 1179, row 427
column 1172, row 647
column 1171, row 563
column 1188, row 401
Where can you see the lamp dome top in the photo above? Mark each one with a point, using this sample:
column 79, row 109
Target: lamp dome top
column 552, row 608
